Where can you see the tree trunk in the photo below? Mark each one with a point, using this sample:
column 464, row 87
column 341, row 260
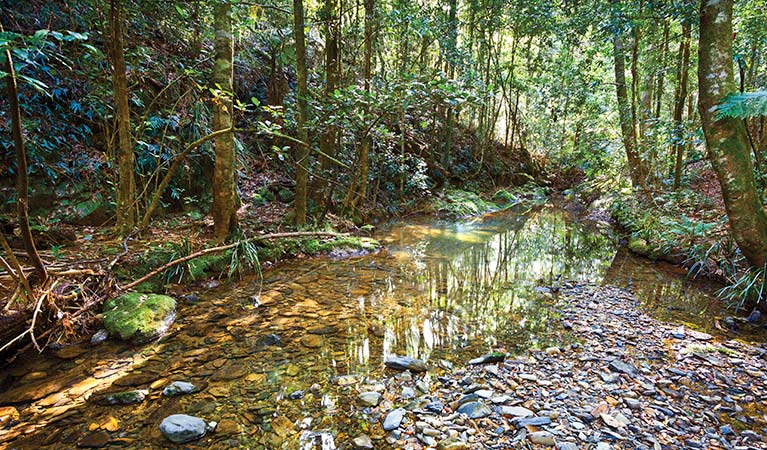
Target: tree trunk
column 22, row 177
column 301, row 151
column 125, row 197
column 366, row 74
column 679, row 101
column 726, row 137
column 224, row 208
column 452, row 52
column 628, row 131
column 328, row 138
column 662, row 73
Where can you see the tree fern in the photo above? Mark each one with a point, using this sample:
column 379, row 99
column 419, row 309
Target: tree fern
column 745, row 105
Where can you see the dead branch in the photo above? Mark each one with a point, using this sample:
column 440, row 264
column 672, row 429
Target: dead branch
column 222, row 248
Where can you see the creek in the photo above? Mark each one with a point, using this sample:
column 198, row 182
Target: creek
column 272, row 356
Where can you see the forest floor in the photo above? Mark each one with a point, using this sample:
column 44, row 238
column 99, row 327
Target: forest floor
column 628, row 382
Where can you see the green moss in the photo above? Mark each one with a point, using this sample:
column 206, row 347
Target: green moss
column 314, row 246
column 138, row 317
column 462, row 203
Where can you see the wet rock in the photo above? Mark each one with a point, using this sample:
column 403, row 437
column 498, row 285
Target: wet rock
column 231, row 371
column 542, row 438
column 296, row 395
column 362, row 442
column 490, row 358
column 121, row 398
column 139, row 318
column 369, row 398
column 8, row 414
column 70, row 352
column 435, row 407
column 180, row 428
column 406, row 363
column 632, row 403
column 178, row 388
column 99, row 337
column 726, row 430
column 475, row 410
column 98, row 439
column 311, row 341
column 393, row 419
column 269, row 340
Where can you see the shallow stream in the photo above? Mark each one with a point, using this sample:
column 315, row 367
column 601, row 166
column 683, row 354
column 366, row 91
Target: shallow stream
column 440, row 291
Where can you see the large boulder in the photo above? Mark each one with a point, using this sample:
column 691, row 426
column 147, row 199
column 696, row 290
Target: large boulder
column 139, row 318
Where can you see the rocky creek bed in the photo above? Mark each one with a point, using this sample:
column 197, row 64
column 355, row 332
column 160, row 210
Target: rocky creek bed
column 306, row 359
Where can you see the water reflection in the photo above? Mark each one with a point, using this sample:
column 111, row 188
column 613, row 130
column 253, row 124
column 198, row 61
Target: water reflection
column 474, row 282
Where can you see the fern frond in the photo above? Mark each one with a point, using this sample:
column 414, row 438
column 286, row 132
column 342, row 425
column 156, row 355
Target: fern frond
column 745, row 105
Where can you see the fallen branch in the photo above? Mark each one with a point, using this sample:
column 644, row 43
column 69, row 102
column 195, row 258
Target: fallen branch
column 222, row 248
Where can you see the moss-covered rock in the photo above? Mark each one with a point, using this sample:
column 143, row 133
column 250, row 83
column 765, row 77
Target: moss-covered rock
column 139, row 317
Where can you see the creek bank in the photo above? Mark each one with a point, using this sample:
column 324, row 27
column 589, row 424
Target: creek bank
column 629, row 381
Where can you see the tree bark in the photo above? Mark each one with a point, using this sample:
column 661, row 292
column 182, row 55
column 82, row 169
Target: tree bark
column 224, row 207
column 679, row 101
column 301, row 152
column 626, row 116
column 22, row 177
column 328, row 138
column 726, row 137
column 125, row 197
column 366, row 74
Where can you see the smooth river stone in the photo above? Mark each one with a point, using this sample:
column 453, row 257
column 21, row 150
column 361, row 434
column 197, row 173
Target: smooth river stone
column 405, row 363
column 180, row 428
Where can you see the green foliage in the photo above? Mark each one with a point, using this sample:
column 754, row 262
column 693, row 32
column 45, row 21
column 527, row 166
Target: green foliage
column 746, row 288
column 743, row 106
column 458, row 203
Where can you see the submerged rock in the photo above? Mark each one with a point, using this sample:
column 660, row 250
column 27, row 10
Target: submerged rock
column 121, row 398
column 406, row 363
column 98, row 439
column 178, row 388
column 139, row 318
column 180, row 428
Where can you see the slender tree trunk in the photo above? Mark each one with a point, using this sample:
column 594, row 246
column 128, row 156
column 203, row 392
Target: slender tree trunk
column 302, row 94
column 328, row 138
column 662, row 72
column 224, row 208
column 679, row 101
column 452, row 50
column 628, row 130
column 22, row 177
column 125, row 196
column 726, row 137
column 366, row 74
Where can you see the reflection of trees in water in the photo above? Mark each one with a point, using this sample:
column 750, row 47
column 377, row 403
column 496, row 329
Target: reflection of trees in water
column 663, row 288
column 477, row 280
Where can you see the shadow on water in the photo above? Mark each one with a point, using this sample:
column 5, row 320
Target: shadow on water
column 442, row 291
